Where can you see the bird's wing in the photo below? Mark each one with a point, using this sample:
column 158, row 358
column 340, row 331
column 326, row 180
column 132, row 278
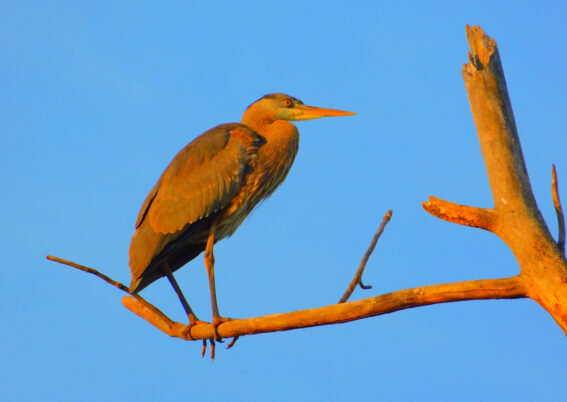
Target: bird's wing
column 147, row 203
column 201, row 179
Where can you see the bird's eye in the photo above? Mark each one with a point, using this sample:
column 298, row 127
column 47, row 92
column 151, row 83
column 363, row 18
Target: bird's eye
column 287, row 102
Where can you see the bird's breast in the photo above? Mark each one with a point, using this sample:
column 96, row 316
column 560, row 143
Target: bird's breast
column 267, row 170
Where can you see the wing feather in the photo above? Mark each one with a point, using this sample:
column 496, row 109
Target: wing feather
column 202, row 178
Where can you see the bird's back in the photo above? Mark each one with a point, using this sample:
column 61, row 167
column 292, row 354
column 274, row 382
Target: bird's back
column 197, row 187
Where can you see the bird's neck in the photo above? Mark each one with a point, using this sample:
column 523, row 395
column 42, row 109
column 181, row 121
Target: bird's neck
column 256, row 121
column 268, row 126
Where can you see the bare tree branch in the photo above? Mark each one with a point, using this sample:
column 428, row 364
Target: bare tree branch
column 90, row 271
column 507, row 288
column 515, row 217
column 357, row 280
column 461, row 214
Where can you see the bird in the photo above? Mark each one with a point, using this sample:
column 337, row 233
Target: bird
column 210, row 187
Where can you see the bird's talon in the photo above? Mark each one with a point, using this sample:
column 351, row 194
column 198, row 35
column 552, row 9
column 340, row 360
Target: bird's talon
column 212, row 348
column 217, row 321
column 231, row 344
column 188, row 328
column 187, row 333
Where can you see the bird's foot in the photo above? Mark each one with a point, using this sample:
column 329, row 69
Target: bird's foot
column 231, row 343
column 188, row 328
column 217, row 321
column 213, row 346
column 216, row 337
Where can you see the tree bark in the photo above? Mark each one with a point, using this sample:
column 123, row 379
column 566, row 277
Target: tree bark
column 515, row 217
column 506, row 288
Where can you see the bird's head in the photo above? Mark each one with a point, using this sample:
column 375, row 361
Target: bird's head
column 279, row 106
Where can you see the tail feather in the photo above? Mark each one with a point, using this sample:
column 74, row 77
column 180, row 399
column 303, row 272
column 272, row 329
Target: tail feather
column 150, row 249
column 154, row 272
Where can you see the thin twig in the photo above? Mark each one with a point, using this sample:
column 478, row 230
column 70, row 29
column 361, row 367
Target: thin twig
column 558, row 209
column 357, row 280
column 125, row 289
column 90, row 271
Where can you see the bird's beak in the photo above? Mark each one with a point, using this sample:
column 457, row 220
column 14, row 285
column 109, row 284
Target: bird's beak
column 304, row 112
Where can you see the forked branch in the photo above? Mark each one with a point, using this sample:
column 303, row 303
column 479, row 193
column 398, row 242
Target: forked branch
column 515, row 217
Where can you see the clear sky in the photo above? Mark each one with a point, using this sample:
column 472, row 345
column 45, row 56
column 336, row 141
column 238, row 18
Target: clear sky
column 97, row 97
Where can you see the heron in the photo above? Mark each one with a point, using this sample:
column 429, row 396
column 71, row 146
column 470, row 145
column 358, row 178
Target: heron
column 210, row 187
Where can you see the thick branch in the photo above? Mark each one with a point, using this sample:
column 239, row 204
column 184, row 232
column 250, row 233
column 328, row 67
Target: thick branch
column 521, row 224
column 515, row 218
column 495, row 123
column 507, row 288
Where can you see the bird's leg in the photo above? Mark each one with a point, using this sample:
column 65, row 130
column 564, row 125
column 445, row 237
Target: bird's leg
column 210, row 265
column 193, row 320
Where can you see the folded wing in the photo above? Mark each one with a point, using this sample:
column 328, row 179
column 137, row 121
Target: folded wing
column 201, row 180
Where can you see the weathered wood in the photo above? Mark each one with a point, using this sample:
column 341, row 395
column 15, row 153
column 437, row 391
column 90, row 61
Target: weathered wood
column 507, row 288
column 515, row 217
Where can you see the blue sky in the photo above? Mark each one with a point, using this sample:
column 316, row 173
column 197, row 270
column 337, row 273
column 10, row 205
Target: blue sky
column 97, row 97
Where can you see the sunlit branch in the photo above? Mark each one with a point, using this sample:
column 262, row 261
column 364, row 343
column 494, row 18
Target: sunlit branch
column 515, row 218
column 507, row 288
column 333, row 314
column 90, row 271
